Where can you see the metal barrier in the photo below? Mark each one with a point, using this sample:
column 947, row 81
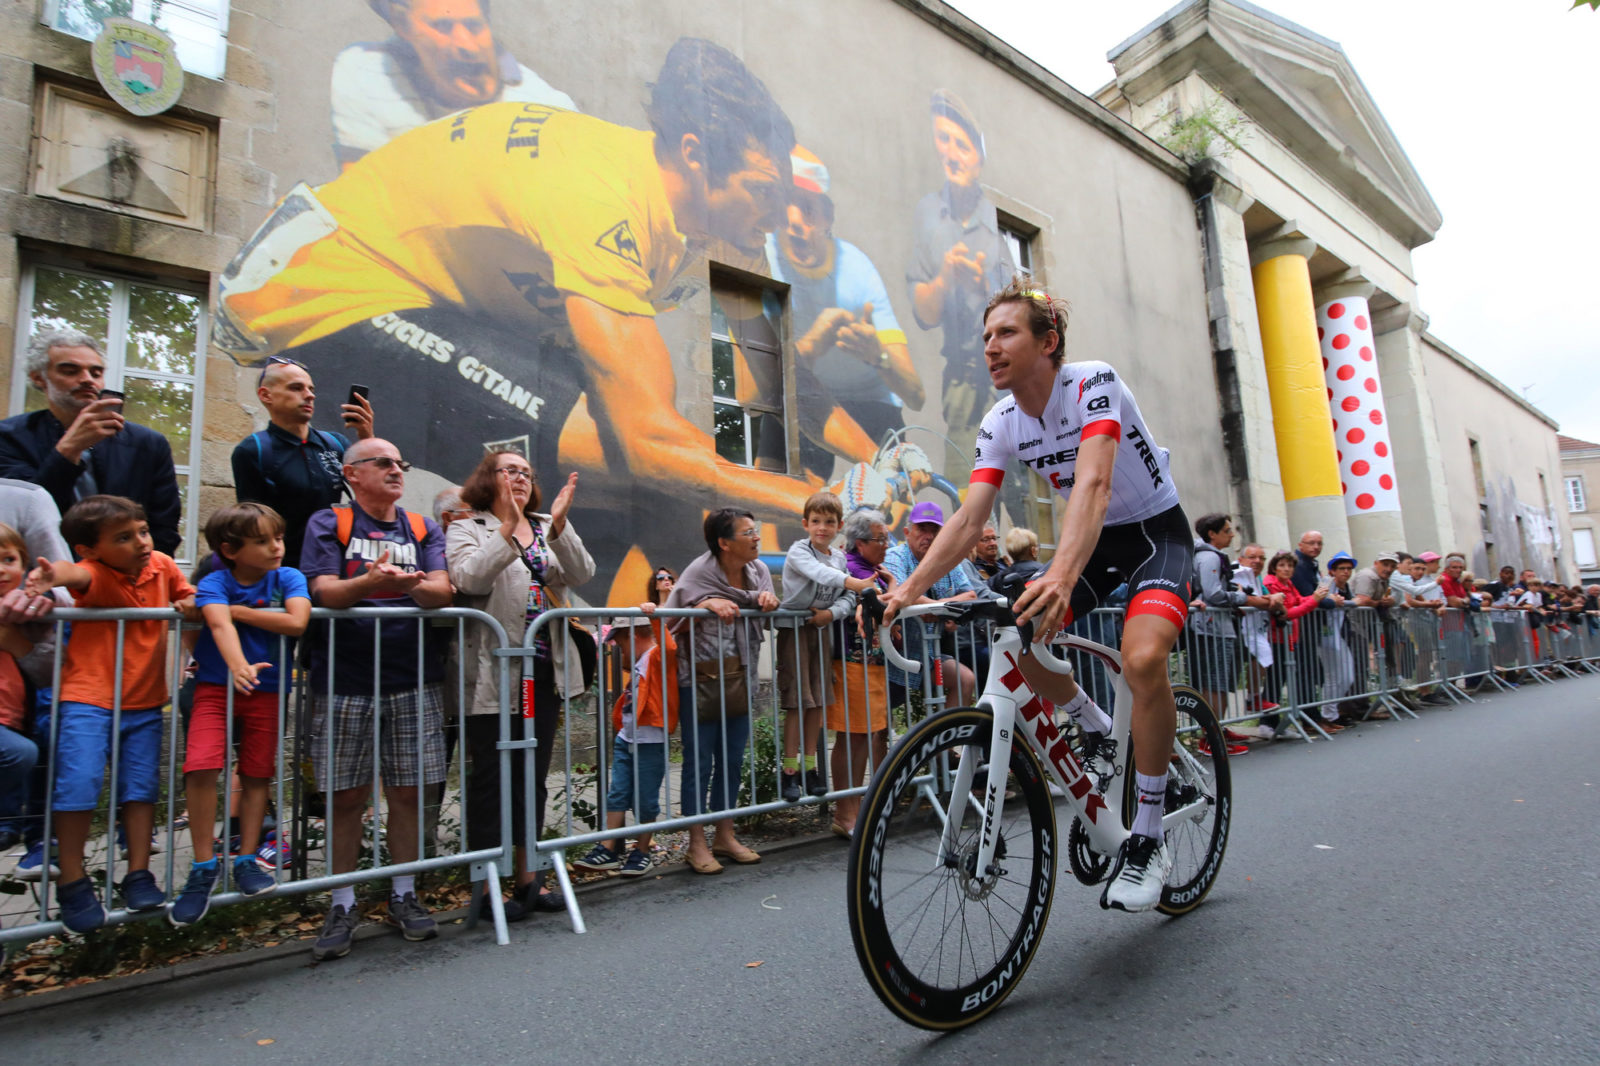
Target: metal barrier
column 336, row 753
column 731, row 725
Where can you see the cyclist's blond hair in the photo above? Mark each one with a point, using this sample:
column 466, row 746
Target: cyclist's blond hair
column 1044, row 312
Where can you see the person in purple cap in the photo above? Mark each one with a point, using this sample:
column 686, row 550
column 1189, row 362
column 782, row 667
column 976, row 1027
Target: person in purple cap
column 922, row 526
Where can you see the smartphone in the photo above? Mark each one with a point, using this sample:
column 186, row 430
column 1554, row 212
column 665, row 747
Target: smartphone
column 112, row 394
column 357, row 390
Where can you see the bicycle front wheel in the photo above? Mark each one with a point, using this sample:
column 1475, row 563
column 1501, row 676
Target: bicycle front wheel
column 941, row 942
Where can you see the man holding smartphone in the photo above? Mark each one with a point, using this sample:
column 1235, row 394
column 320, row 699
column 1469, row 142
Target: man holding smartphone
column 289, row 466
column 81, row 444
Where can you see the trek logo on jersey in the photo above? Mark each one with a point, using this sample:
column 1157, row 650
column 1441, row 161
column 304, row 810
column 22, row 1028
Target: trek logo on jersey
column 1061, row 458
column 1143, row 447
column 1101, row 403
column 618, row 240
column 524, row 132
column 1104, row 377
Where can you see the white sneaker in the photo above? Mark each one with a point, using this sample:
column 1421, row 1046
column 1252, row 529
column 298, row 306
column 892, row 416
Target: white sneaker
column 1143, row 864
column 1266, row 732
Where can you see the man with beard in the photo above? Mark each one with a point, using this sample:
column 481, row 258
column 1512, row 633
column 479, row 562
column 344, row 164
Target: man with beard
column 442, row 58
column 850, row 351
column 80, row 445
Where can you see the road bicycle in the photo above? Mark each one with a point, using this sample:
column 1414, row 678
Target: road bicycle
column 953, row 865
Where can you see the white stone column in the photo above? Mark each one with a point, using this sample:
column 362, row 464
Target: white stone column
column 1367, row 469
column 1424, row 498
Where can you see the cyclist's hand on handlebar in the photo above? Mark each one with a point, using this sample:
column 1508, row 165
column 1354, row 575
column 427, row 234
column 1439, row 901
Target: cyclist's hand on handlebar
column 894, row 601
column 1044, row 603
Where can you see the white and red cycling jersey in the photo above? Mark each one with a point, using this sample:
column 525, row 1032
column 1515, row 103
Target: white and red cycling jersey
column 1089, row 400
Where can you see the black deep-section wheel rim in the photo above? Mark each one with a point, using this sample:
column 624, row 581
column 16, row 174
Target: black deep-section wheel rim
column 908, row 913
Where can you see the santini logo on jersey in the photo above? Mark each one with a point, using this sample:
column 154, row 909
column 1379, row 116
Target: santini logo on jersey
column 1104, row 377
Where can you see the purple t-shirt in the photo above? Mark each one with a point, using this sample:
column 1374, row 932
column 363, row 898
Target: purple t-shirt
column 259, row 646
column 353, row 639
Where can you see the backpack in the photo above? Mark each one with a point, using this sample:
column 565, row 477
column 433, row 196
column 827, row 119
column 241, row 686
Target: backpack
column 261, row 439
column 344, row 521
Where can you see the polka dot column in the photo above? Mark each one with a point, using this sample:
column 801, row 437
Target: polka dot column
column 1355, row 396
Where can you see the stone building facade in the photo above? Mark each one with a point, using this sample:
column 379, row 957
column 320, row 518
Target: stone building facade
column 315, row 193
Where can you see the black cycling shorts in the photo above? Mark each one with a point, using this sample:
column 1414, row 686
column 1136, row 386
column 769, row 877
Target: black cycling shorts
column 1155, row 557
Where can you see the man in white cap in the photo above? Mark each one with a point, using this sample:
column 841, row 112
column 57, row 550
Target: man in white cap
column 852, row 354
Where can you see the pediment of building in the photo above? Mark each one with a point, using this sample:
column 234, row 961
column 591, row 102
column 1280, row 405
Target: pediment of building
column 1296, row 85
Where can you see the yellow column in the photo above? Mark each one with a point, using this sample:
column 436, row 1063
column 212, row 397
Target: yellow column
column 1302, row 423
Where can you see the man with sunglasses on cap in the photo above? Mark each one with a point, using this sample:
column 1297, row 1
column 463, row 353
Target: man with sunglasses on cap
column 290, row 467
column 375, row 554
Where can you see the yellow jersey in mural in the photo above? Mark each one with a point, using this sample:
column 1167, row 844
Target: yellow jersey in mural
column 501, row 211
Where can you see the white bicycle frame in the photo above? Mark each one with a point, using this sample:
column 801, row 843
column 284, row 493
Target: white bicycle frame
column 1007, row 695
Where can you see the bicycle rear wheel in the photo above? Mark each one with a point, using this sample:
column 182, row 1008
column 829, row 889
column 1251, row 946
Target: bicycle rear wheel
column 1198, row 774
column 940, row 944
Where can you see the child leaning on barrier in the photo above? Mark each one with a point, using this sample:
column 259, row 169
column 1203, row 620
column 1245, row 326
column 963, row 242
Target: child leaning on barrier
column 643, row 716
column 18, row 753
column 240, row 647
column 815, row 580
column 119, row 568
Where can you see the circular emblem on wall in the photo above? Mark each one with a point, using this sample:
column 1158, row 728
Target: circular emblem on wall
column 137, row 65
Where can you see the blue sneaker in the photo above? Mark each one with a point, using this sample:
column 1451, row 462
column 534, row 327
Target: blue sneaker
column 140, row 891
column 31, row 868
column 250, row 879
column 195, row 899
column 78, row 906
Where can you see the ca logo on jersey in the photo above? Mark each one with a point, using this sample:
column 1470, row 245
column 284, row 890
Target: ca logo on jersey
column 618, row 240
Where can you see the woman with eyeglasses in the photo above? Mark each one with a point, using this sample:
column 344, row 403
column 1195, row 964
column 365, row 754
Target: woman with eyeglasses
column 660, row 585
column 514, row 562
column 716, row 675
column 859, row 711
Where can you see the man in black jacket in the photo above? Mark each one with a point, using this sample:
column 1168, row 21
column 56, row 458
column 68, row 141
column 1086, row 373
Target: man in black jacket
column 81, row 445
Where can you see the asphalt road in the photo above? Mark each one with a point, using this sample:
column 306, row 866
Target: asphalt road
column 1410, row 892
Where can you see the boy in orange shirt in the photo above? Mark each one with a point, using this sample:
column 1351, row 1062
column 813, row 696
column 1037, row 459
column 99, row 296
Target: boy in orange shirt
column 119, row 568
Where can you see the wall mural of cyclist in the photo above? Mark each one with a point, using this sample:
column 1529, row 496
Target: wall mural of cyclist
column 502, row 268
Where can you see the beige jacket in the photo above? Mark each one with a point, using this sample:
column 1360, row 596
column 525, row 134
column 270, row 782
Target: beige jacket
column 489, row 576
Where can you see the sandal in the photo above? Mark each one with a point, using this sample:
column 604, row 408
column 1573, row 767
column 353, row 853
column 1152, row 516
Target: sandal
column 703, row 866
column 839, row 830
column 738, row 853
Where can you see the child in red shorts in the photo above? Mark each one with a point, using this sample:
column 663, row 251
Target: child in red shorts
column 241, row 648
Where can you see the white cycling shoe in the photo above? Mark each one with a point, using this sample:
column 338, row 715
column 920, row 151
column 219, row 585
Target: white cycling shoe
column 1141, row 870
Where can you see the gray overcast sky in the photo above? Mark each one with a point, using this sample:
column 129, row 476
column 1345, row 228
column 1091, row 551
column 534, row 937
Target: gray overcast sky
column 1493, row 102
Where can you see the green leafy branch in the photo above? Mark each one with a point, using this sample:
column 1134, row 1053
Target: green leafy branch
column 1210, row 132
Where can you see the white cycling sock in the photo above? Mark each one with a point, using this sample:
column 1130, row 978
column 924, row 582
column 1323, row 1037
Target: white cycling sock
column 401, row 885
column 1087, row 714
column 345, row 896
column 1152, row 798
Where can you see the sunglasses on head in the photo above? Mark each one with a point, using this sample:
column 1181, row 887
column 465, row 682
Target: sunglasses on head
column 278, row 360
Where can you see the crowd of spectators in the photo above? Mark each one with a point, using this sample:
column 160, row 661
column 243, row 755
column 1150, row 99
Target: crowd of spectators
column 1287, row 621
column 89, row 516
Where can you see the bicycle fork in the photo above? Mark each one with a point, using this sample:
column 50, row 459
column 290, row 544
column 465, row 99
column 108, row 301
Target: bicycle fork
column 981, row 864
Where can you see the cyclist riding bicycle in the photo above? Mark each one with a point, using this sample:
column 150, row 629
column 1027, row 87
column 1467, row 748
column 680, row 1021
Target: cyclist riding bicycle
column 1078, row 425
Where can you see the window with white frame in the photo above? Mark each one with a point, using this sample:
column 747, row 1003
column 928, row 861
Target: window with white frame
column 198, row 28
column 1583, row 549
column 153, row 335
column 747, row 376
column 1020, row 242
column 1575, row 498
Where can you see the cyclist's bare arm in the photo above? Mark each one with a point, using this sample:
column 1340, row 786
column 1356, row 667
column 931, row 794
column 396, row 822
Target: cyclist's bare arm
column 953, row 544
column 1046, row 600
